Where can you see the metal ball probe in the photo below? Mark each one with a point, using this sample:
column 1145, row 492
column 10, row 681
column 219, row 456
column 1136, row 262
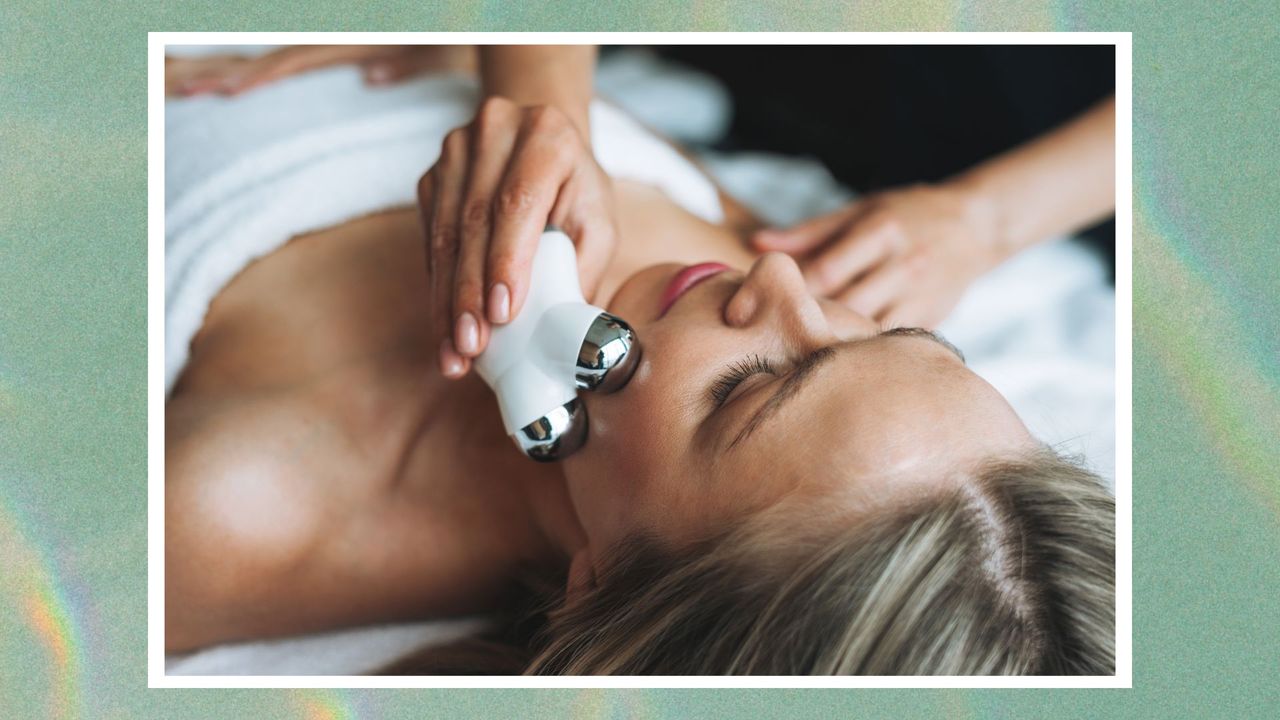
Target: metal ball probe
column 557, row 345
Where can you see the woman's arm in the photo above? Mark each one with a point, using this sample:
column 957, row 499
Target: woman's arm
column 1060, row 182
column 558, row 75
column 905, row 256
column 524, row 162
column 232, row 74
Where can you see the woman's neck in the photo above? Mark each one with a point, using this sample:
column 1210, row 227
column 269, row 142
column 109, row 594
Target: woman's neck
column 536, row 514
column 654, row 230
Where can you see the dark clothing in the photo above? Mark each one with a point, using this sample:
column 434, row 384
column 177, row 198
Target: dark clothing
column 880, row 116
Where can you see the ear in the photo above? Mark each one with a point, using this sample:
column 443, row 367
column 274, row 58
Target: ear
column 582, row 576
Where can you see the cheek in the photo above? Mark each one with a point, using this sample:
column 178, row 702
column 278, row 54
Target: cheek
column 633, row 470
column 601, row 493
column 633, row 433
column 611, row 478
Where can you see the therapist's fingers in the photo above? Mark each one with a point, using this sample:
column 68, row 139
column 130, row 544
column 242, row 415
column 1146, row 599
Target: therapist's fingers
column 490, row 148
column 197, row 75
column 402, row 64
column 872, row 295
column 491, row 144
column 542, row 162
column 282, row 63
column 450, row 363
column 199, row 86
column 266, row 68
column 441, row 227
column 235, row 74
column 862, row 246
column 804, row 236
column 470, row 330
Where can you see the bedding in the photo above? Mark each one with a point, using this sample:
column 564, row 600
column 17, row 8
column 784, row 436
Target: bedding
column 244, row 175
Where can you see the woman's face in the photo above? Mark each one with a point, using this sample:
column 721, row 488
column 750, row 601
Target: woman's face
column 750, row 389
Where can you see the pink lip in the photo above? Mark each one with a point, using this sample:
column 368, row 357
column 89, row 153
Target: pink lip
column 684, row 281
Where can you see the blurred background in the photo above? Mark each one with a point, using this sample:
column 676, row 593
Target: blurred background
column 879, row 116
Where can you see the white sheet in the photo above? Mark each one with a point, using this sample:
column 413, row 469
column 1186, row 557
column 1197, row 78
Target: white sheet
column 244, row 175
column 1040, row 328
column 1051, row 352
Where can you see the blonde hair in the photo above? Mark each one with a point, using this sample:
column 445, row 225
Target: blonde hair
column 1011, row 573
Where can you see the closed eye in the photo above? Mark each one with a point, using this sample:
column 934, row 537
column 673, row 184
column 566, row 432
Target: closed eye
column 734, row 375
column 806, row 368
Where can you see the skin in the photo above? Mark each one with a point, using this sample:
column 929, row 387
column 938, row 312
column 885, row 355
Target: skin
column 904, row 256
column 524, row 160
column 497, row 184
column 322, row 472
column 908, row 416
column 231, row 74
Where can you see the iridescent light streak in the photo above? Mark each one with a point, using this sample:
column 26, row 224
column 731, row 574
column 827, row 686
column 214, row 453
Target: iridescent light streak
column 1190, row 326
column 613, row 704
column 29, row 585
column 323, row 705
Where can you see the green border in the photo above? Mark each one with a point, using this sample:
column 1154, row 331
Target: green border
column 73, row 361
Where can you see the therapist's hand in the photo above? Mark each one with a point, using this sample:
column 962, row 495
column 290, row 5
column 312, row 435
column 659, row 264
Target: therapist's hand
column 485, row 203
column 231, row 74
column 903, row 256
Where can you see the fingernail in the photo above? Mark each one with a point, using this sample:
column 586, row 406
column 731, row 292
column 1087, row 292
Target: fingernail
column 379, row 74
column 499, row 303
column 450, row 363
column 468, row 334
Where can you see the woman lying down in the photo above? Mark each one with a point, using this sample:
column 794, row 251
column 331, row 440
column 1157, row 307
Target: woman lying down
column 785, row 486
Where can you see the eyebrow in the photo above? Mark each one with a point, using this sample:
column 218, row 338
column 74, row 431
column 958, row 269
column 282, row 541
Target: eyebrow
column 813, row 362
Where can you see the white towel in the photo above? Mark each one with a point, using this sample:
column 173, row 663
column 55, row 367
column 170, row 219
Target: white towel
column 245, row 174
column 1040, row 328
column 1050, row 352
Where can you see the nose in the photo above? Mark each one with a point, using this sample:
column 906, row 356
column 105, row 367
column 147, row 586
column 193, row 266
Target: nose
column 774, row 294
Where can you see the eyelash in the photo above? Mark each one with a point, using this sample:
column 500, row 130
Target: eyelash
column 736, row 374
